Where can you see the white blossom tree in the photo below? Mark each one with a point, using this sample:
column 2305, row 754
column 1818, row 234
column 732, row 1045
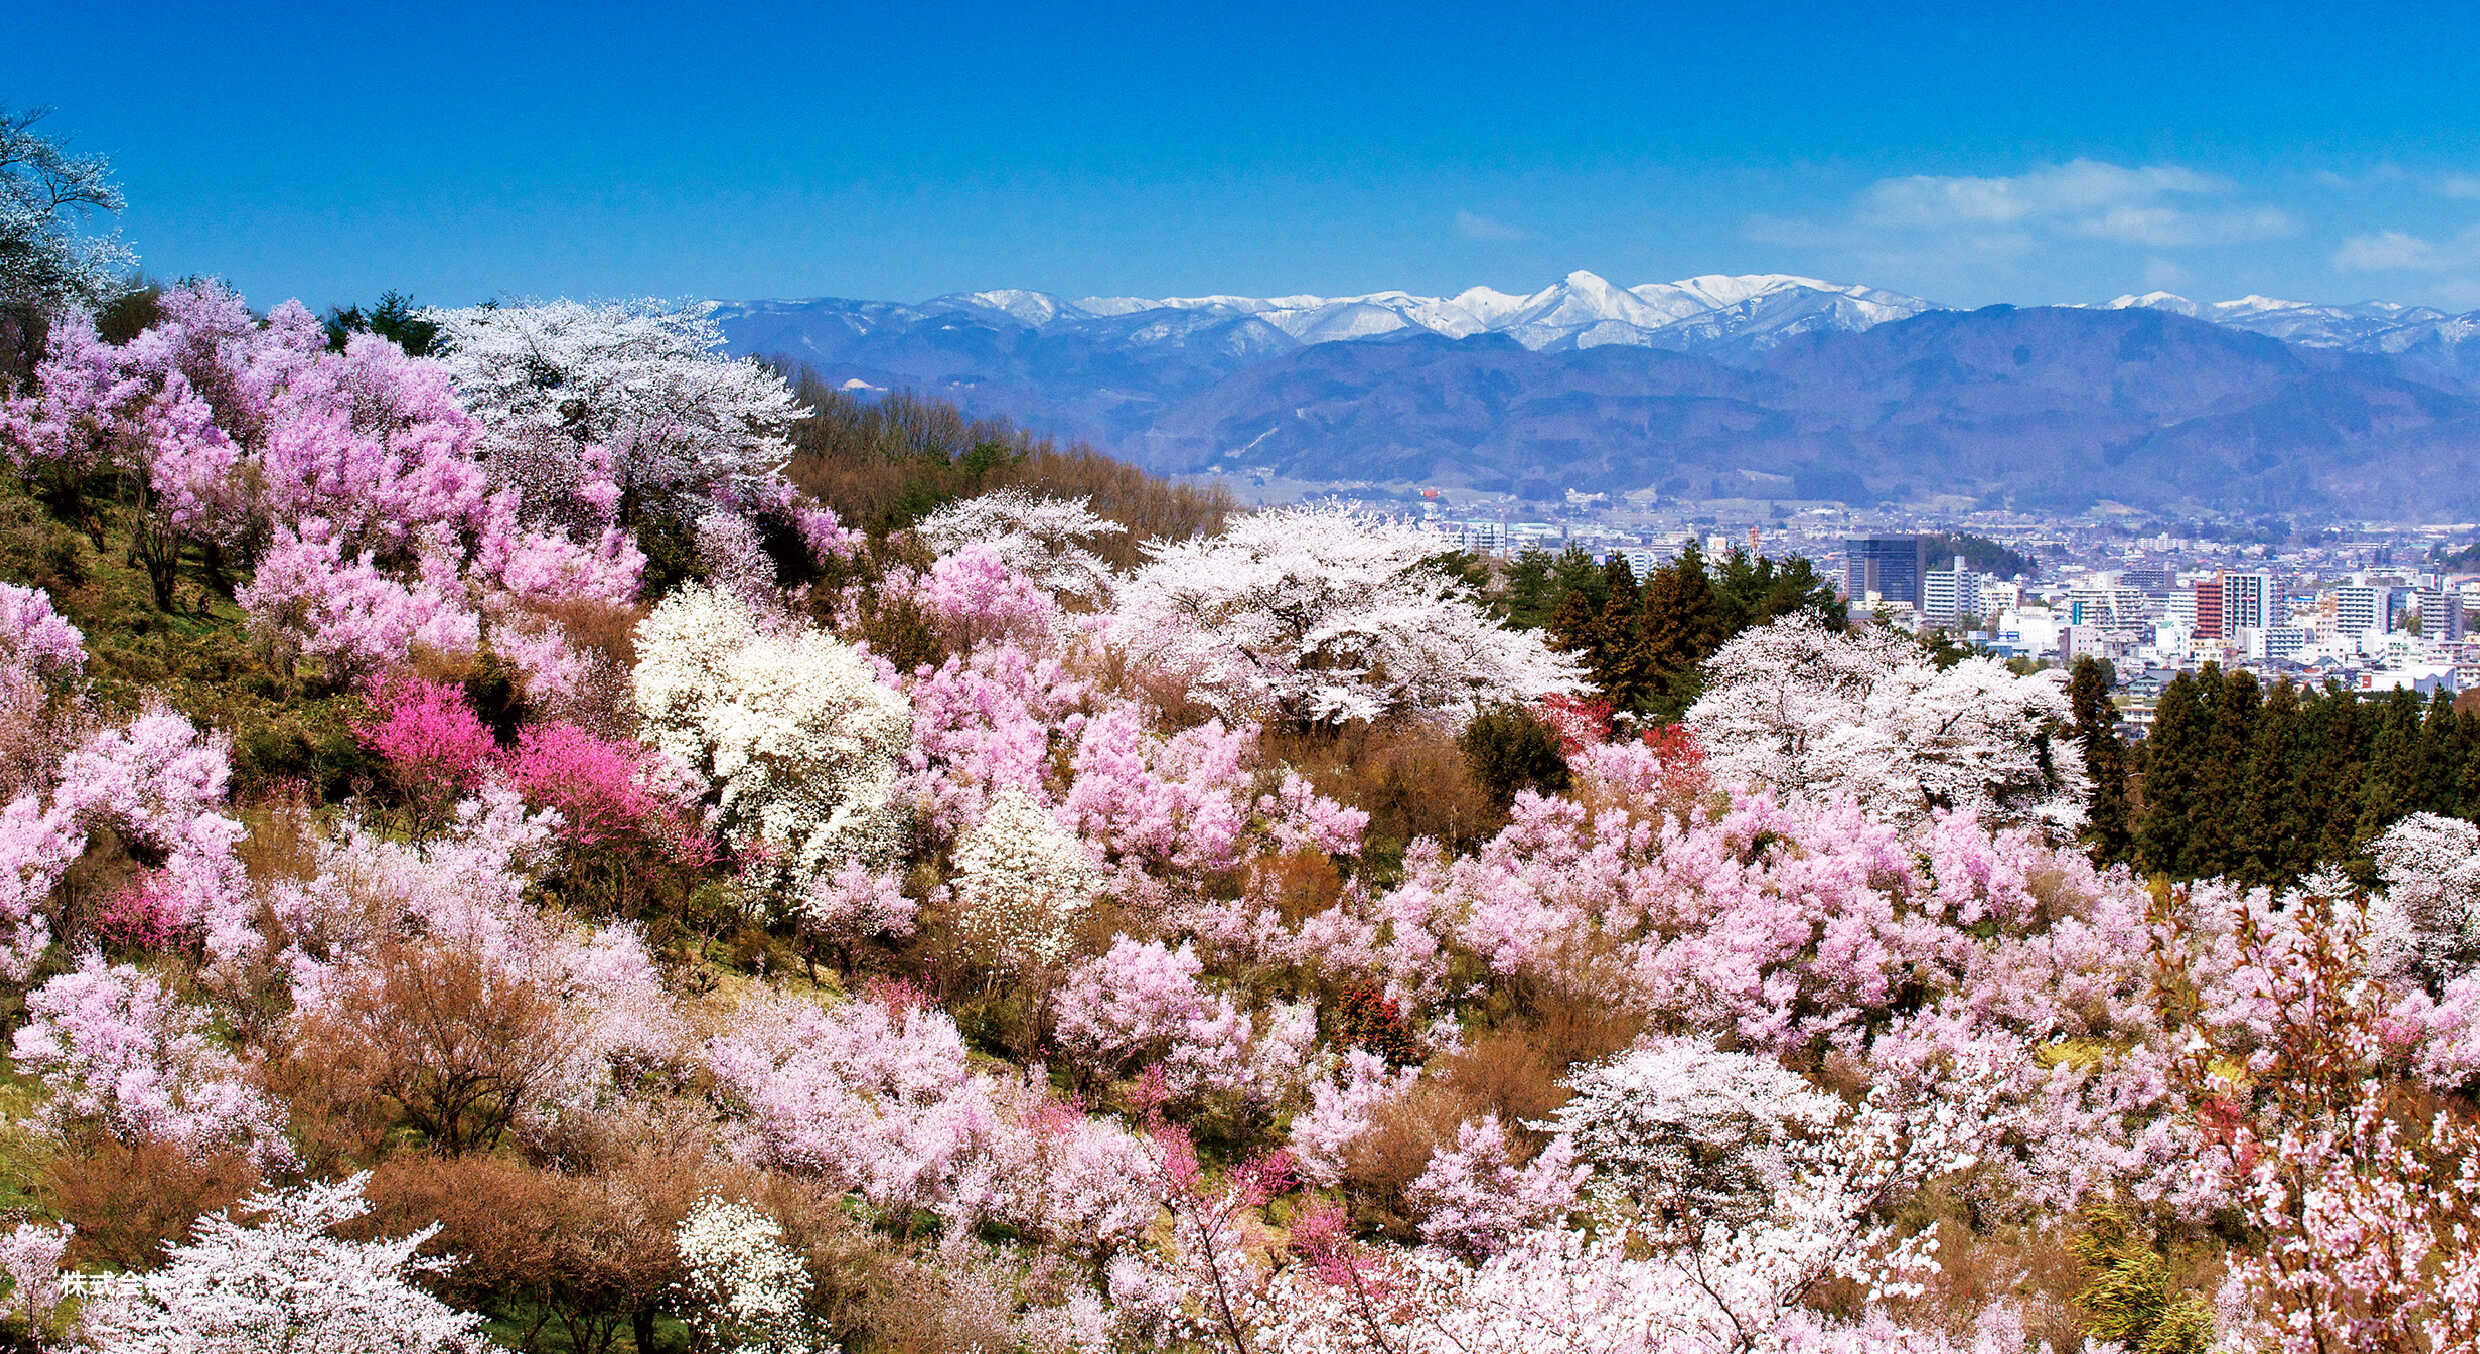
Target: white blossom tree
column 1022, row 879
column 45, row 260
column 644, row 381
column 2426, row 923
column 282, row 1283
column 1678, row 1124
column 1040, row 538
column 746, row 1291
column 1323, row 615
column 790, row 724
column 1807, row 711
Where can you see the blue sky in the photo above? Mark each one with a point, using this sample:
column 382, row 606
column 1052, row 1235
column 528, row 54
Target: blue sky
column 1969, row 154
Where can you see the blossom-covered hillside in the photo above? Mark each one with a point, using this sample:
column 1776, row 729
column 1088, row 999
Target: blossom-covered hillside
column 496, row 860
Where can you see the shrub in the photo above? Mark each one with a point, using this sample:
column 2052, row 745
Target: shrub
column 1510, row 751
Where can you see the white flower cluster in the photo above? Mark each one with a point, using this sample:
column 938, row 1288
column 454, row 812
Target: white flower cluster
column 1022, row 880
column 282, row 1282
column 1807, row 711
column 2427, row 921
column 646, row 381
column 1037, row 537
column 1678, row 1125
column 794, row 729
column 747, row 1292
column 1327, row 615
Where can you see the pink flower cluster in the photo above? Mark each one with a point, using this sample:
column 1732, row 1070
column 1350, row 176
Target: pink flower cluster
column 1143, row 1003
column 879, row 1099
column 121, row 1055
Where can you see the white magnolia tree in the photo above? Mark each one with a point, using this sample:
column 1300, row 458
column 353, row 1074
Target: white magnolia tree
column 789, row 723
column 645, row 382
column 1043, row 539
column 1324, row 615
column 746, row 1291
column 1022, row 880
column 282, row 1283
column 46, row 261
column 1808, row 711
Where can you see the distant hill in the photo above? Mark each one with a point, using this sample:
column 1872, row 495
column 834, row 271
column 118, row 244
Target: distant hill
column 1769, row 387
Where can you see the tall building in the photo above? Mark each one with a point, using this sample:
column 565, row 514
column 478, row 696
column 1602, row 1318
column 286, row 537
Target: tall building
column 2209, row 620
column 1951, row 596
column 2441, row 614
column 1888, row 567
column 2247, row 601
column 2147, row 578
column 2359, row 609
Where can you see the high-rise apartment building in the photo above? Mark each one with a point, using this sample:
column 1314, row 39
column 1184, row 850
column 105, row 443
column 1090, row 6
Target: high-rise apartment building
column 1886, row 568
column 2247, row 601
column 2360, row 609
column 1951, row 596
column 2441, row 614
column 2209, row 619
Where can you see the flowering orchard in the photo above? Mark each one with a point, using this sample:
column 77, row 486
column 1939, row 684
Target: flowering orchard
column 586, row 897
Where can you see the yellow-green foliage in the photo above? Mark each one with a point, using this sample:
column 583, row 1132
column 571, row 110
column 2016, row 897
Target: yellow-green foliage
column 2130, row 1300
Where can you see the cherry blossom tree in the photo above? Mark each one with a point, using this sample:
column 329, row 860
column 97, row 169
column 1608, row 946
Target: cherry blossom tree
column 2426, row 922
column 46, row 259
column 120, row 1055
column 1813, row 712
column 1322, row 615
column 282, row 1280
column 1677, row 1126
column 1040, row 539
column 641, row 383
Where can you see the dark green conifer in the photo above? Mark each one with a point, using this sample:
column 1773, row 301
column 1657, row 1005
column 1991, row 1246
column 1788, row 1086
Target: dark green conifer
column 2171, row 784
column 2095, row 727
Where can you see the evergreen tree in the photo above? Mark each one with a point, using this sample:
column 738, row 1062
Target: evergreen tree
column 1508, row 751
column 1618, row 660
column 2333, row 767
column 2465, row 758
column 1754, row 590
column 2276, row 836
column 2172, row 780
column 2214, row 846
column 2391, row 788
column 1572, row 570
column 1527, row 597
column 1576, row 625
column 2106, row 827
column 2437, row 770
column 1683, row 626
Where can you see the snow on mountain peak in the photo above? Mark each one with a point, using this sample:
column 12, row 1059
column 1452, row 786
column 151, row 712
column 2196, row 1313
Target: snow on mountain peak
column 1585, row 309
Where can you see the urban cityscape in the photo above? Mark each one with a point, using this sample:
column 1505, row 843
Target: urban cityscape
column 2369, row 607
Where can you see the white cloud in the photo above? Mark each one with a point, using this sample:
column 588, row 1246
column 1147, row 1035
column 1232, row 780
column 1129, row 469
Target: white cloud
column 2389, row 251
column 2163, row 275
column 1473, row 225
column 2458, row 185
column 2078, row 188
column 2453, row 264
column 2154, row 207
column 2157, row 206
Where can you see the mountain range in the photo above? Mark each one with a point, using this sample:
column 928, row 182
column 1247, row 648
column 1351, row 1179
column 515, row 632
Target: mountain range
column 1762, row 386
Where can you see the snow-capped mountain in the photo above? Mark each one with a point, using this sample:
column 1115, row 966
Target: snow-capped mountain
column 1581, row 310
column 2291, row 321
column 1834, row 390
